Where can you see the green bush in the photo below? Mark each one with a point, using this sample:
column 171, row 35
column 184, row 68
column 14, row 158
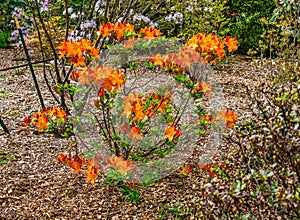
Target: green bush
column 4, row 39
column 245, row 21
column 282, row 37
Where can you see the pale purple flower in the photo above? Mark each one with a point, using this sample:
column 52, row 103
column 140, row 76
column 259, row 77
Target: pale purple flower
column 73, row 15
column 190, row 8
column 177, row 17
column 88, row 24
column 69, row 11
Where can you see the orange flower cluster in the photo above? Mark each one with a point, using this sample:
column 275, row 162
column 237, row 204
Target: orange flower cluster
column 78, row 162
column 211, row 46
column 123, row 166
column 225, row 115
column 176, row 62
column 93, row 170
column 149, row 33
column 172, row 132
column 231, row 43
column 118, row 29
column 45, row 117
column 103, row 77
column 78, row 51
column 204, row 87
column 137, row 109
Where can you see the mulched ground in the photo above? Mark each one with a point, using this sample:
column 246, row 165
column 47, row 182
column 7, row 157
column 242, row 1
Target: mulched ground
column 33, row 185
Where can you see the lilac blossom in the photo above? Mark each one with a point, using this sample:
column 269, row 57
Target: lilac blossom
column 177, row 17
column 26, row 26
column 70, row 10
column 73, row 15
column 140, row 17
column 88, row 24
column 100, row 4
column 190, row 8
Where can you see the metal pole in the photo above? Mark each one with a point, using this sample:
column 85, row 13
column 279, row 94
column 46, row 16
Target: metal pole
column 3, row 126
column 29, row 63
column 16, row 67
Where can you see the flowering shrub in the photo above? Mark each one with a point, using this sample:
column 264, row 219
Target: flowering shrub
column 49, row 119
column 128, row 130
column 78, row 52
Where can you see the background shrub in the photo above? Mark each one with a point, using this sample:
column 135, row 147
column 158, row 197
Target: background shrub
column 6, row 10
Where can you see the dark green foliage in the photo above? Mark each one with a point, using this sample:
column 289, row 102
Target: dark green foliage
column 4, row 39
column 245, row 21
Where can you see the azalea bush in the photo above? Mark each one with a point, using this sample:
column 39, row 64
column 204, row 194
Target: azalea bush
column 127, row 135
column 126, row 121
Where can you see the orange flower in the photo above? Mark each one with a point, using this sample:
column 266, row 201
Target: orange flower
column 26, row 122
column 158, row 60
column 106, row 29
column 171, row 132
column 231, row 43
column 118, row 29
column 91, row 174
column 42, row 124
column 134, row 134
column 123, row 166
column 63, row 158
column 77, row 51
column 127, row 109
column 149, row 33
column 138, row 112
column 210, row 46
column 77, row 164
column 227, row 116
column 117, row 79
column 129, row 44
column 204, row 87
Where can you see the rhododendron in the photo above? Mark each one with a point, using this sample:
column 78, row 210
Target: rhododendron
column 78, row 51
column 171, row 133
column 137, row 110
column 227, row 116
column 91, row 174
column 123, row 166
column 118, row 29
column 149, row 33
column 45, row 118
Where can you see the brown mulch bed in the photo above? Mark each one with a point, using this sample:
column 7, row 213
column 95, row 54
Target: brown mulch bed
column 33, row 185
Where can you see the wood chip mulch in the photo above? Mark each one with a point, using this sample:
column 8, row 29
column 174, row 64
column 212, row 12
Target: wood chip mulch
column 34, row 185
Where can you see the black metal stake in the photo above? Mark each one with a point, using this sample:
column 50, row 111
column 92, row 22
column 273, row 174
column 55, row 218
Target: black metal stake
column 29, row 63
column 3, row 126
